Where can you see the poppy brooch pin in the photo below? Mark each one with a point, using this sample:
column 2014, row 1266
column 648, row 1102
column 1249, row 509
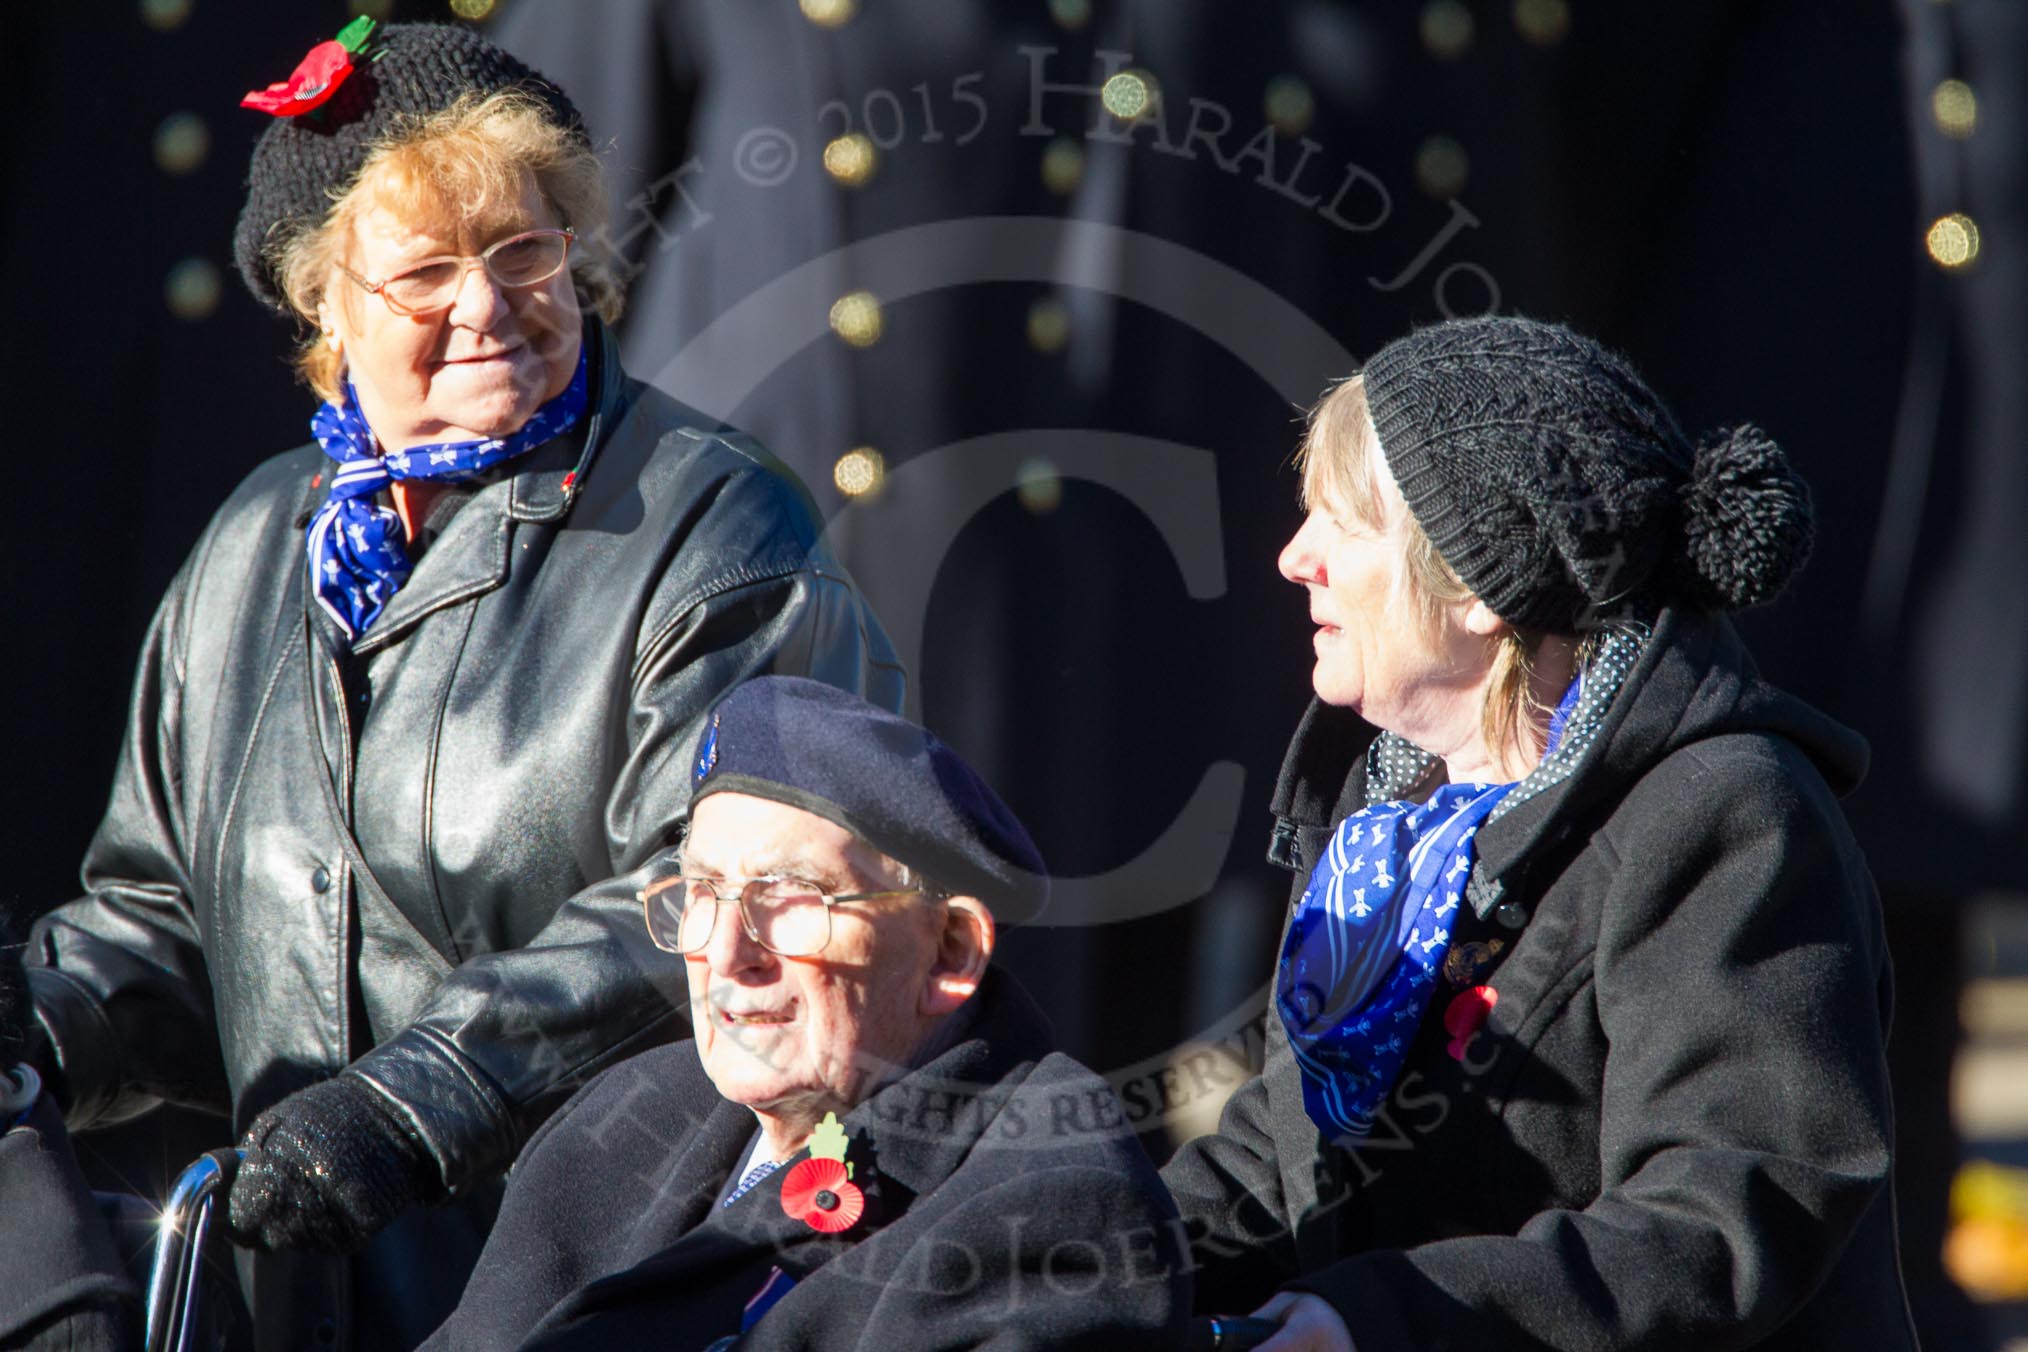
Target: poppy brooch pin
column 1466, row 1015
column 819, row 1191
column 317, row 76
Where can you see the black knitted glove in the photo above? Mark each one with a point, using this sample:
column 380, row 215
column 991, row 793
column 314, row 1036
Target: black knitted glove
column 326, row 1169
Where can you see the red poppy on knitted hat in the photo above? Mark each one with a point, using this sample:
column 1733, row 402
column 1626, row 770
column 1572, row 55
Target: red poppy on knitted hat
column 819, row 1193
column 316, row 77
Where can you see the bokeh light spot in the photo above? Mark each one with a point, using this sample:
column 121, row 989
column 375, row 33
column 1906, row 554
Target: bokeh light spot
column 1955, row 108
column 1038, row 485
column 855, row 317
column 1953, row 241
column 163, row 15
column 1446, row 29
column 1063, row 166
column 860, row 472
column 1442, row 167
column 851, row 159
column 181, row 143
column 1048, row 325
column 1289, row 104
column 1070, row 14
column 1128, row 95
column 192, row 289
column 1542, row 22
column 829, row 13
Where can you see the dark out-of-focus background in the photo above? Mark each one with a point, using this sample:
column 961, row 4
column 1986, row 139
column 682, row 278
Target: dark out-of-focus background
column 1042, row 365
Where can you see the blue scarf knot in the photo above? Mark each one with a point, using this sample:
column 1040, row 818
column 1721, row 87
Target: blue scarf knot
column 358, row 550
column 1367, row 943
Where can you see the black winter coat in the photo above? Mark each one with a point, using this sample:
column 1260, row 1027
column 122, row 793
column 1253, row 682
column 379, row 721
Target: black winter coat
column 509, row 742
column 61, row 1287
column 987, row 1224
column 1673, row 1131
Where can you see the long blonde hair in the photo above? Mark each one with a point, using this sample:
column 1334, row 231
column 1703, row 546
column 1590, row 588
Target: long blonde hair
column 1340, row 461
column 454, row 166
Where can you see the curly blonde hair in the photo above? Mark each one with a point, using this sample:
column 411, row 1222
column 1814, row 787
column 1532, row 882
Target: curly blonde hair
column 455, row 167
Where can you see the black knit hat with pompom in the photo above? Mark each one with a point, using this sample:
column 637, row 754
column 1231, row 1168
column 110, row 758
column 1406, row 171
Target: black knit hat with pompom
column 1558, row 487
column 302, row 164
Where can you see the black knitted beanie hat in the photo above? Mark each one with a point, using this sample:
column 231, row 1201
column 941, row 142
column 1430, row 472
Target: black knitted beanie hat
column 1558, row 487
column 305, row 162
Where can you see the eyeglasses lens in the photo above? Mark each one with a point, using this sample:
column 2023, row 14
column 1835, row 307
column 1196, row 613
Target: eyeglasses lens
column 521, row 261
column 527, row 260
column 790, row 917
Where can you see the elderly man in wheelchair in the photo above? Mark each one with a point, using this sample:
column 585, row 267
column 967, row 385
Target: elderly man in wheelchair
column 858, row 1140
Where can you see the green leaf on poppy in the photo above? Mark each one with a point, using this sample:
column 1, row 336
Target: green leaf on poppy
column 353, row 35
column 828, row 1141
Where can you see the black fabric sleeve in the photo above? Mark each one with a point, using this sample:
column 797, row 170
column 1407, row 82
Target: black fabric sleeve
column 118, row 975
column 1228, row 1189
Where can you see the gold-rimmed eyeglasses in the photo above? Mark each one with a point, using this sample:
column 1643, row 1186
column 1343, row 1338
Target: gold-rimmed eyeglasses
column 789, row 917
column 521, row 260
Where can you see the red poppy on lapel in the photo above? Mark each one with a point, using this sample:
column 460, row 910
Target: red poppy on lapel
column 820, row 1194
column 1466, row 1015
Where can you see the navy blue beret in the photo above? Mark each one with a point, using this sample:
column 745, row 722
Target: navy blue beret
column 894, row 785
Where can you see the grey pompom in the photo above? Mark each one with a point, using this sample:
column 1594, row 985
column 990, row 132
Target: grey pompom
column 1747, row 521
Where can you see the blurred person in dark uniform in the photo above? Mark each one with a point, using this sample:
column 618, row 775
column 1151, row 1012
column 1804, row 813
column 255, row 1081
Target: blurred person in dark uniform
column 1065, row 340
column 1942, row 680
column 1365, row 166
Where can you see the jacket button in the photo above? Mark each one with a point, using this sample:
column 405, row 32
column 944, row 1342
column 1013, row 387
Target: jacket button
column 326, row 1331
column 320, row 880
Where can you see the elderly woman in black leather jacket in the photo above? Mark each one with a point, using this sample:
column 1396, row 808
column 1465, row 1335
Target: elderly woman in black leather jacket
column 1577, row 1030
column 417, row 704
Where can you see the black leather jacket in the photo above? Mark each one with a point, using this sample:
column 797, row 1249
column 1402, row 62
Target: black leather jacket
column 511, row 741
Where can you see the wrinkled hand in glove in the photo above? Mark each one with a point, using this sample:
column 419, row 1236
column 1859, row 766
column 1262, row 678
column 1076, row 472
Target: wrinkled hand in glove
column 327, row 1168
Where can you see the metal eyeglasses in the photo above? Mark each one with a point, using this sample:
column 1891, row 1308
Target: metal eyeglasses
column 522, row 260
column 789, row 917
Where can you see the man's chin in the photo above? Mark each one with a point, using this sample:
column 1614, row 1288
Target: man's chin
column 748, row 1069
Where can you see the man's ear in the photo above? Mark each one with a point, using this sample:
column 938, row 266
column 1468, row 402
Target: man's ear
column 963, row 950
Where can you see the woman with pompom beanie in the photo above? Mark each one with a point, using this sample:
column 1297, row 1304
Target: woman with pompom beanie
column 1576, row 1035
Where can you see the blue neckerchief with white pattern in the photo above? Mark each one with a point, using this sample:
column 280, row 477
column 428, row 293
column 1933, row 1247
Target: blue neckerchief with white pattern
column 358, row 556
column 1367, row 943
column 752, row 1179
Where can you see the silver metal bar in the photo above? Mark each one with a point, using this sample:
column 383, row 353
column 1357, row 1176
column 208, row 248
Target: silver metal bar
column 179, row 1249
column 192, row 1278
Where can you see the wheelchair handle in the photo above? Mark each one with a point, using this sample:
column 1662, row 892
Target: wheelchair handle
column 179, row 1248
